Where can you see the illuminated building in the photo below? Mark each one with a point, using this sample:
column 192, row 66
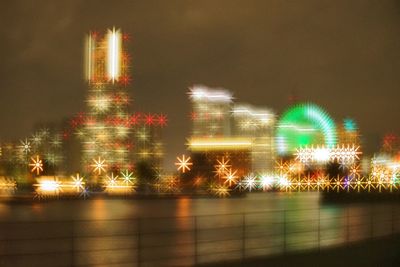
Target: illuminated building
column 20, row 157
column 385, row 168
column 147, row 139
column 258, row 126
column 105, row 131
column 211, row 128
column 210, row 111
column 111, row 138
column 241, row 133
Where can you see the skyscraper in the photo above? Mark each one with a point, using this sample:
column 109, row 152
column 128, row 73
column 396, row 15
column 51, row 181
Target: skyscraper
column 225, row 131
column 257, row 124
column 106, row 129
column 211, row 111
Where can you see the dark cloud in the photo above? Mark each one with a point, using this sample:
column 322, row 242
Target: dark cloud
column 343, row 55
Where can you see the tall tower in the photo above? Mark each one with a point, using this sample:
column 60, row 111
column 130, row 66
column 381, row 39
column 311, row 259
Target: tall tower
column 106, row 130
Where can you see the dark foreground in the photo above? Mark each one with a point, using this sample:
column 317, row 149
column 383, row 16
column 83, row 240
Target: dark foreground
column 377, row 252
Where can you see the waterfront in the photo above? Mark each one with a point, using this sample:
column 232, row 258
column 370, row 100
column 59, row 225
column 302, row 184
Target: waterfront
column 183, row 231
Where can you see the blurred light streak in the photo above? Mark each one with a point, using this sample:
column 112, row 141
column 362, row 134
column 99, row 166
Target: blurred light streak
column 205, row 144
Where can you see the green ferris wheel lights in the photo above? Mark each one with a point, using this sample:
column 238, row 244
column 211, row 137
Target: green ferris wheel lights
column 303, row 125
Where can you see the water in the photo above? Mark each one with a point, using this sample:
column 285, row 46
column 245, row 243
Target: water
column 182, row 231
column 100, row 209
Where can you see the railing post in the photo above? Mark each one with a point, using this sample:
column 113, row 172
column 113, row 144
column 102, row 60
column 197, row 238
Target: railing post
column 195, row 239
column 319, row 229
column 138, row 241
column 72, row 242
column 347, row 226
column 392, row 214
column 284, row 230
column 243, row 236
column 371, row 221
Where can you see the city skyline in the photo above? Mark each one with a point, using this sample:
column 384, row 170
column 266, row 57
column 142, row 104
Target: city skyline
column 200, row 133
column 44, row 61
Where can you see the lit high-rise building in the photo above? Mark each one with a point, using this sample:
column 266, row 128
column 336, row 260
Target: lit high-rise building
column 223, row 131
column 258, row 125
column 211, row 111
column 106, row 129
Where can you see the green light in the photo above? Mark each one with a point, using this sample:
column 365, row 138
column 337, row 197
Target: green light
column 304, row 125
column 349, row 125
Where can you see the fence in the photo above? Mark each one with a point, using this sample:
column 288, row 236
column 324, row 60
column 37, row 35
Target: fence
column 186, row 241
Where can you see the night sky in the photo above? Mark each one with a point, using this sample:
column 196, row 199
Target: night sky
column 342, row 55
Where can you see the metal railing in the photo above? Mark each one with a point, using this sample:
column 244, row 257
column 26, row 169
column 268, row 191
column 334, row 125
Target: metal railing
column 192, row 240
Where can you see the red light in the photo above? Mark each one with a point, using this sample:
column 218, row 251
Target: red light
column 134, row 119
column 125, row 80
column 126, row 37
column 129, row 146
column 193, row 116
column 94, row 34
column 131, row 167
column 74, row 123
column 65, row 135
column 149, row 119
column 162, row 120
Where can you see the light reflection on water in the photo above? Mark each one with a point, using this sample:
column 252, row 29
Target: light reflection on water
column 98, row 208
column 185, row 231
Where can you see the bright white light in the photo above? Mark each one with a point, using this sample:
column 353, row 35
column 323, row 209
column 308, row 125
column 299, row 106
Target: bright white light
column 114, row 54
column 77, row 182
column 345, row 155
column 261, row 117
column 283, row 181
column 204, row 93
column 49, row 186
column 249, row 182
column 321, row 154
column 266, row 181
